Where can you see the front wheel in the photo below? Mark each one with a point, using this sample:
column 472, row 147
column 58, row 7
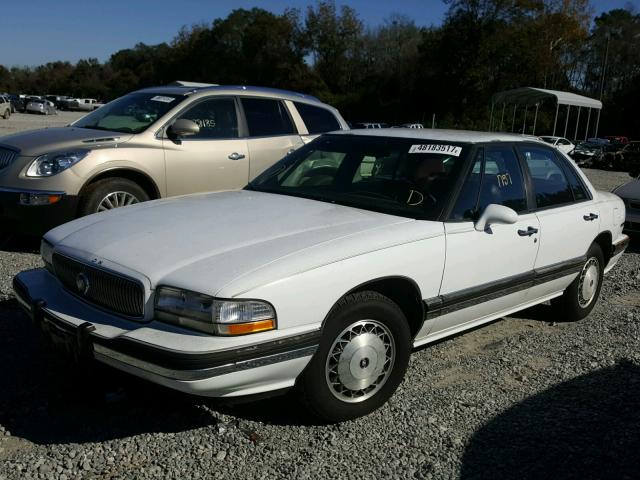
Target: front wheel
column 361, row 360
column 111, row 193
column 6, row 115
column 581, row 295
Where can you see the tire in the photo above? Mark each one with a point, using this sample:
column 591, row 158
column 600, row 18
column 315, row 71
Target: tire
column 92, row 200
column 7, row 114
column 582, row 294
column 380, row 326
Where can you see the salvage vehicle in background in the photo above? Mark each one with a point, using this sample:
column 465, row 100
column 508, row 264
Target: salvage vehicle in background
column 82, row 104
column 630, row 195
column 152, row 143
column 330, row 267
column 585, row 154
column 43, row 107
column 5, row 107
column 561, row 143
column 626, row 158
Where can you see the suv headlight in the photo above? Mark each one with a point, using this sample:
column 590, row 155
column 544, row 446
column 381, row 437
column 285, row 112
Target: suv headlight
column 211, row 315
column 54, row 163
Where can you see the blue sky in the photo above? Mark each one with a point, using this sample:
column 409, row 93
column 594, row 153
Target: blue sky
column 38, row 31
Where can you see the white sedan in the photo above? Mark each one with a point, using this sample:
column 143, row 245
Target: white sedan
column 561, row 143
column 326, row 271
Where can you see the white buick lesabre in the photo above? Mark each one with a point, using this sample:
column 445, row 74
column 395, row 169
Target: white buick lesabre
column 328, row 269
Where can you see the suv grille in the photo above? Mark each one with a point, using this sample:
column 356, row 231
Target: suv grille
column 108, row 290
column 6, row 157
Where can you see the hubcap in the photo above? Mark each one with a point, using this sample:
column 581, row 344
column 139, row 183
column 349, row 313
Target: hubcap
column 588, row 286
column 360, row 361
column 116, row 200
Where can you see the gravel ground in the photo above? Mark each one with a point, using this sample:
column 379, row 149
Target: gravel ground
column 524, row 397
column 29, row 121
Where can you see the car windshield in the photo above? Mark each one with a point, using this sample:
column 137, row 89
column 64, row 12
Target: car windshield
column 132, row 113
column 399, row 176
column 548, row 139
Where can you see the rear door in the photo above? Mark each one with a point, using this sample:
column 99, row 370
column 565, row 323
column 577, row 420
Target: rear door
column 489, row 271
column 214, row 159
column 272, row 133
column 569, row 218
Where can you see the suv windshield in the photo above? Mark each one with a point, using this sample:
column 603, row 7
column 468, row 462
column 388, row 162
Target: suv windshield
column 132, row 113
column 406, row 177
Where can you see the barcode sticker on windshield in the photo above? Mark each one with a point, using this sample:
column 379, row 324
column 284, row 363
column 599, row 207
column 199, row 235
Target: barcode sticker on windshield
column 436, row 148
column 160, row 98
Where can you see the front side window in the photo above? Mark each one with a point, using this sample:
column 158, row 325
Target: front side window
column 266, row 117
column 398, row 176
column 132, row 113
column 216, row 118
column 550, row 185
column 317, row 119
column 467, row 203
column 502, row 181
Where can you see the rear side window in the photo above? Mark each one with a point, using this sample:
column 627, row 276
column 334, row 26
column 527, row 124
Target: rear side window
column 216, row 119
column 317, row 119
column 550, row 184
column 267, row 117
column 577, row 187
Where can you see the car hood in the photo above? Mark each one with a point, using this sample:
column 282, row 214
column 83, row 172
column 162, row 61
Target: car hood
column 39, row 142
column 203, row 242
column 629, row 190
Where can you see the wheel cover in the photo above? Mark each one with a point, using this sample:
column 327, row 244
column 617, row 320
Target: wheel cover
column 588, row 284
column 360, row 361
column 116, row 200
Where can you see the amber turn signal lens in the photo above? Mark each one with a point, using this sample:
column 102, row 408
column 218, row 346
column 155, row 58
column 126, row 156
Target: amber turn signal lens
column 244, row 328
column 54, row 198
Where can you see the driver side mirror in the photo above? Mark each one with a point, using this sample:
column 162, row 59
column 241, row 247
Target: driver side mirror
column 183, row 127
column 495, row 213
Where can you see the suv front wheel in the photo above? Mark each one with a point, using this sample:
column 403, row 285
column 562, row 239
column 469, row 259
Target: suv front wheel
column 111, row 193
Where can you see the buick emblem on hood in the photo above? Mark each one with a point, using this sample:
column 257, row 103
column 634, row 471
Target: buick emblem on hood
column 82, row 283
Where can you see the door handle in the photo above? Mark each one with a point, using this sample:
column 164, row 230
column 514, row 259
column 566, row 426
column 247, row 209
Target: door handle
column 528, row 232
column 591, row 217
column 236, row 156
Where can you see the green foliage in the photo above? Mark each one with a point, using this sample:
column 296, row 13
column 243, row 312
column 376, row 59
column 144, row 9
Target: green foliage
column 395, row 72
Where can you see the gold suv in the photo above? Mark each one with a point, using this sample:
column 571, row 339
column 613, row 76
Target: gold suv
column 152, row 143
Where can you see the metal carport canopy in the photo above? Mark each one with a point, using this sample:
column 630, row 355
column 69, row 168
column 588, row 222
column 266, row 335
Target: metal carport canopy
column 531, row 96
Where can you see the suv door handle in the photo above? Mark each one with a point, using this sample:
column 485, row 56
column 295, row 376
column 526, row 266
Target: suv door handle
column 591, row 217
column 528, row 232
column 236, row 156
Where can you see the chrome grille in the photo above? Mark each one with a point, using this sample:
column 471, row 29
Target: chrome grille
column 103, row 288
column 6, row 157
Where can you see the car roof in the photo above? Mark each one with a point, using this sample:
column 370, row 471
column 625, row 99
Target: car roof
column 229, row 89
column 466, row 136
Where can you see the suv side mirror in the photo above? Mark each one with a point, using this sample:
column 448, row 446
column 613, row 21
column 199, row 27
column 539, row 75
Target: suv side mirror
column 182, row 127
column 495, row 213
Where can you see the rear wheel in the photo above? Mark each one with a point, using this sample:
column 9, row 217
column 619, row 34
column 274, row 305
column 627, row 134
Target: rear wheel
column 581, row 295
column 111, row 193
column 7, row 114
column 361, row 360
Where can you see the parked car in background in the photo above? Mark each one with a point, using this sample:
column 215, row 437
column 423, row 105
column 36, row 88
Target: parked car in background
column 587, row 154
column 5, row 107
column 152, row 143
column 83, row 104
column 630, row 195
column 560, row 143
column 59, row 101
column 26, row 99
column 44, row 107
column 412, row 125
column 617, row 139
column 628, row 157
column 369, row 125
column 17, row 104
column 325, row 274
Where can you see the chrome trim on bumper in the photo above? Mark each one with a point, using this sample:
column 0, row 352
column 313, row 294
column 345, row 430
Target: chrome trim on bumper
column 107, row 355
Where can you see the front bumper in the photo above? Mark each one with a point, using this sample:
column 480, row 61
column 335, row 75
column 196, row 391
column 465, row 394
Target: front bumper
column 34, row 219
column 137, row 348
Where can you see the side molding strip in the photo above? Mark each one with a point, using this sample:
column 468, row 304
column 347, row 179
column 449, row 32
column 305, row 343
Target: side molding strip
column 451, row 302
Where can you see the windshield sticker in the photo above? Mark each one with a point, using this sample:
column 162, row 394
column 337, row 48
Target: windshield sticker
column 160, row 98
column 436, row 148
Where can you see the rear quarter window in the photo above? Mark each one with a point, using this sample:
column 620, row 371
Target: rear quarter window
column 317, row 119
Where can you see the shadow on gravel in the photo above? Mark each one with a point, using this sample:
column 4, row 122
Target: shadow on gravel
column 19, row 243
column 46, row 400
column 585, row 428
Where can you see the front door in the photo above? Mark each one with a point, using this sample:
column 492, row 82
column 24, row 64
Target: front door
column 215, row 158
column 489, row 271
column 272, row 134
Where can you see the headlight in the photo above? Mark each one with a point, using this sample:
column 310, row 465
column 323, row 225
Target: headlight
column 53, row 163
column 211, row 315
